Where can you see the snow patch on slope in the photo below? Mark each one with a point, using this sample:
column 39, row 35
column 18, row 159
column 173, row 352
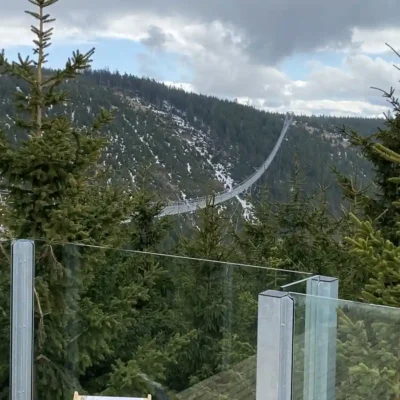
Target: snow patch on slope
column 223, row 176
column 198, row 140
column 248, row 209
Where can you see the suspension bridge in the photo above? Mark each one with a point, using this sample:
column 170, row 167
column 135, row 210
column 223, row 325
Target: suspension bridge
column 186, row 206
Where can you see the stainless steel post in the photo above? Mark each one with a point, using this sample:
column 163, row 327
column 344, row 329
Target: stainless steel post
column 320, row 338
column 22, row 306
column 274, row 346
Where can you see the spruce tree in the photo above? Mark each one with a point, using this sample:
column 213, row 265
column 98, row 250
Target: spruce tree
column 202, row 295
column 369, row 344
column 299, row 235
column 87, row 300
column 215, row 300
column 48, row 175
column 378, row 202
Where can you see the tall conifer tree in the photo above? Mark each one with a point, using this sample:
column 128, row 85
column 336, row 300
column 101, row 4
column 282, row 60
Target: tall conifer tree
column 87, row 302
column 369, row 341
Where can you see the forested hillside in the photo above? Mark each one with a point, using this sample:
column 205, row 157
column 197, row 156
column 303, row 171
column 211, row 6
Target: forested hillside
column 191, row 145
column 82, row 153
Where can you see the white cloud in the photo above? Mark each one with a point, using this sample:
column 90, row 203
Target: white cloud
column 274, row 29
column 11, row 33
column 353, row 80
column 16, row 32
column 346, row 90
column 187, row 87
column 216, row 52
column 339, row 108
column 372, row 41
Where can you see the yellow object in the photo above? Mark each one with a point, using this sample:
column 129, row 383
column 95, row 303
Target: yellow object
column 77, row 396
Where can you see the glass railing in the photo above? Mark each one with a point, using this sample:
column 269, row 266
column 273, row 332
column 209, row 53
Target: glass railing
column 118, row 322
column 124, row 323
column 345, row 350
column 5, row 292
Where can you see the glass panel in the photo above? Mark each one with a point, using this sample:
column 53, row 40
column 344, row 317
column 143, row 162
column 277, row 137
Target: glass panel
column 5, row 291
column 364, row 360
column 124, row 323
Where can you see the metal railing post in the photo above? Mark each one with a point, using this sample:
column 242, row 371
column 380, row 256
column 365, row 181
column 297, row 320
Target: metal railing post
column 275, row 346
column 22, row 306
column 320, row 338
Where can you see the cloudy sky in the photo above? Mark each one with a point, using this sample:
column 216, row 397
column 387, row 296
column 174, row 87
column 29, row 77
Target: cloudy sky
column 308, row 56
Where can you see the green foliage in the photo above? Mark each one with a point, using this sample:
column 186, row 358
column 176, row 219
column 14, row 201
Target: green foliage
column 111, row 322
column 89, row 303
column 369, row 345
column 216, row 300
column 202, row 296
column 367, row 360
column 128, row 322
column 381, row 149
column 48, row 175
column 300, row 235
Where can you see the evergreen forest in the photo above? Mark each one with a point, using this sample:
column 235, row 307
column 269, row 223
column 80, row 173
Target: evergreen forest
column 128, row 303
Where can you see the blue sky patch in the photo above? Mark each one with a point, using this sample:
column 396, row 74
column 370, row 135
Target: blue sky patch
column 298, row 66
column 117, row 54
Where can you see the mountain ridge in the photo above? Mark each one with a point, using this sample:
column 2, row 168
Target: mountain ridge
column 193, row 145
